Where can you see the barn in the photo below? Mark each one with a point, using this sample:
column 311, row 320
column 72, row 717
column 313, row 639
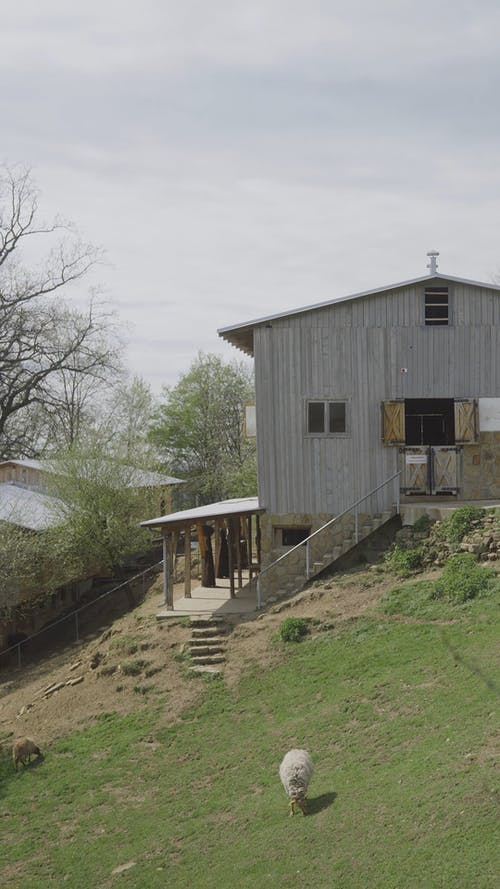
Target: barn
column 369, row 401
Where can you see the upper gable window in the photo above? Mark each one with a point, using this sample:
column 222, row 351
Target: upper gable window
column 327, row 417
column 436, row 305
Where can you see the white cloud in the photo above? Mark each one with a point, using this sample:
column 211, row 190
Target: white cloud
column 237, row 159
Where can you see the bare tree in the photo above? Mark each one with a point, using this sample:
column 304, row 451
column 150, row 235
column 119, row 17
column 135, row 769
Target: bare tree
column 127, row 420
column 44, row 343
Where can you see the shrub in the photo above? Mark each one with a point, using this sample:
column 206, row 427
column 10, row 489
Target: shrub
column 460, row 522
column 124, row 645
column 133, row 668
column 293, row 629
column 423, row 523
column 463, row 579
column 404, row 562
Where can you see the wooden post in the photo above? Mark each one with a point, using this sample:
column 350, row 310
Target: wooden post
column 207, row 559
column 223, row 562
column 249, row 545
column 168, row 594
column 217, row 546
column 201, row 542
column 237, row 528
column 230, row 553
column 174, row 539
column 187, row 561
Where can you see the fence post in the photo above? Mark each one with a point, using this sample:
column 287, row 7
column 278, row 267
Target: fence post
column 76, row 626
column 259, row 593
column 19, row 655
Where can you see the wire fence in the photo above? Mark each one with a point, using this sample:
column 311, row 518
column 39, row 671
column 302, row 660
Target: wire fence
column 80, row 621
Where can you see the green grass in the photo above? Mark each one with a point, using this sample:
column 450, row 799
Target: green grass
column 403, row 795
column 461, row 582
column 404, row 562
column 124, row 645
column 134, row 667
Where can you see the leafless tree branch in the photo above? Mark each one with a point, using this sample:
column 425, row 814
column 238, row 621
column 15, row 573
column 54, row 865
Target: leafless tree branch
column 46, row 346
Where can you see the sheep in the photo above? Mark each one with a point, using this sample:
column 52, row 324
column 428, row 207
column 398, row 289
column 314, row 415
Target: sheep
column 295, row 773
column 24, row 749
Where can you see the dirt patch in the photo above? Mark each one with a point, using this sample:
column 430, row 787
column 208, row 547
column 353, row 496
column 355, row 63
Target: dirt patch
column 29, row 707
column 67, row 690
column 490, row 751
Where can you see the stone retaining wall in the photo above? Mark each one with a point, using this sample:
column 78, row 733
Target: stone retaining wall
column 481, row 468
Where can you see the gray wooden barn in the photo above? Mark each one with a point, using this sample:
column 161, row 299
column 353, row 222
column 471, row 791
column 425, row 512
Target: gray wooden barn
column 389, row 394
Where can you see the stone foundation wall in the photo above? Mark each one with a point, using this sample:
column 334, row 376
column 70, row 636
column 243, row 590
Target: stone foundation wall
column 270, row 522
column 294, row 565
column 481, row 468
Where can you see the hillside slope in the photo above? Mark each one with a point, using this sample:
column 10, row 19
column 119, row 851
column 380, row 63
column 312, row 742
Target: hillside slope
column 177, row 784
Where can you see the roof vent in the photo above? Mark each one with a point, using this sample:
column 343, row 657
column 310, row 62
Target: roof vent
column 432, row 264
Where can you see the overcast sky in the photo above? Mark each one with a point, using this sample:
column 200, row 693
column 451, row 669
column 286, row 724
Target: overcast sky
column 238, row 158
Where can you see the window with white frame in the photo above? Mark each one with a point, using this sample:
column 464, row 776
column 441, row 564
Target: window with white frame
column 326, row 417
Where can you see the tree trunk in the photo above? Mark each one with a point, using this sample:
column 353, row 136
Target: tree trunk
column 207, row 560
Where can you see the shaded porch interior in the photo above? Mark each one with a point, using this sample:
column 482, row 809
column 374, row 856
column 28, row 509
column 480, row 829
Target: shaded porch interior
column 227, row 535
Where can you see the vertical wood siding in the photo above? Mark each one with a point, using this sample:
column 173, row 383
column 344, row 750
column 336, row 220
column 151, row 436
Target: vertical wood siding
column 355, row 351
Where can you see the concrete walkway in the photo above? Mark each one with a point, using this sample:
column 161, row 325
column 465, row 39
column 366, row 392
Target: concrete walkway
column 435, row 508
column 206, row 601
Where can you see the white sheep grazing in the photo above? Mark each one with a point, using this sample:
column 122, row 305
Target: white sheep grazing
column 295, row 773
column 23, row 750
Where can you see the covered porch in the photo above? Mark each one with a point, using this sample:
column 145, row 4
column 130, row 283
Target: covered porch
column 228, row 537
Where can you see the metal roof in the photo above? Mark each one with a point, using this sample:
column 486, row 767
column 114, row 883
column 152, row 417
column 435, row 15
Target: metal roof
column 28, row 509
column 224, row 508
column 241, row 335
column 138, row 478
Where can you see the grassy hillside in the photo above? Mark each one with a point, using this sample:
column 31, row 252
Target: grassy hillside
column 398, row 714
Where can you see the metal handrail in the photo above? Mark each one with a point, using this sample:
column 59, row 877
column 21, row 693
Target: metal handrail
column 327, row 525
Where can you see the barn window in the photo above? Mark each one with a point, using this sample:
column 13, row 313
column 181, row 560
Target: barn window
column 436, row 306
column 291, row 536
column 327, row 417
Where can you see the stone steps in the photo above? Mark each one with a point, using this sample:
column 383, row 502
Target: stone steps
column 207, row 659
column 207, row 645
column 205, row 650
column 207, row 668
column 294, row 583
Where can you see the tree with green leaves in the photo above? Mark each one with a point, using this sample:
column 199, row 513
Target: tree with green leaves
column 100, row 502
column 199, row 429
column 97, row 504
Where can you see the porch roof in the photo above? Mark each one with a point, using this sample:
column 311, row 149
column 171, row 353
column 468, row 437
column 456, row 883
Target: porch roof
column 222, row 509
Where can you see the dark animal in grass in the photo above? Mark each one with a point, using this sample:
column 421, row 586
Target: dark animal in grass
column 295, row 773
column 23, row 749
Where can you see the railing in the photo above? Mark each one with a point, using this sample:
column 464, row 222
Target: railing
column 307, row 540
column 74, row 615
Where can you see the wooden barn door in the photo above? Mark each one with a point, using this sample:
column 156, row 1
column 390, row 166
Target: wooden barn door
column 415, row 470
column 393, row 422
column 466, row 420
column 444, row 470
